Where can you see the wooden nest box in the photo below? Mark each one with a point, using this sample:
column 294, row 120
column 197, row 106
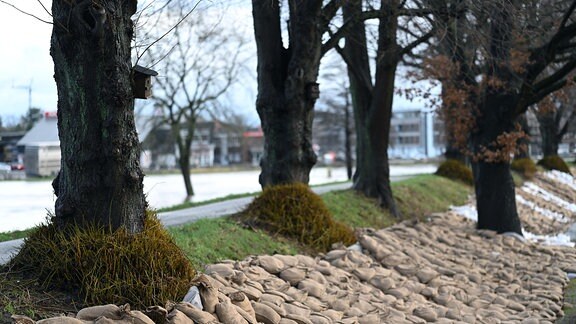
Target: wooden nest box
column 143, row 82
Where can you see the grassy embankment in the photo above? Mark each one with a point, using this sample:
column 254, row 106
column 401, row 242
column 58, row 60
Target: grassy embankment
column 210, row 240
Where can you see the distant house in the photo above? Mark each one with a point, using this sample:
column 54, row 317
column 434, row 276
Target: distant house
column 214, row 143
column 41, row 145
column 253, row 146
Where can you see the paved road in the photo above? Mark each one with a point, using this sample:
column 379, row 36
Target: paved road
column 179, row 217
column 223, row 208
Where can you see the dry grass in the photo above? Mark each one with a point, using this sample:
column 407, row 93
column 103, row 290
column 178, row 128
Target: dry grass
column 142, row 269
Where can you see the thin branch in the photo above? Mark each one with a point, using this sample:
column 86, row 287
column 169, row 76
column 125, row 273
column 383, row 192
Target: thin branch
column 166, row 33
column 567, row 125
column 44, row 7
column 424, row 38
column 568, row 14
column 26, row 13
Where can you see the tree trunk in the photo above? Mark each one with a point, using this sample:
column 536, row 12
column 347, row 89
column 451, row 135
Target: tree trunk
column 496, row 197
column 493, row 183
column 100, row 180
column 348, row 140
column 372, row 104
column 286, row 78
column 497, row 112
column 184, row 165
column 184, row 143
column 548, row 131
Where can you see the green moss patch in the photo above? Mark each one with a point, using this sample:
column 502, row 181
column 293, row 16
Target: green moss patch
column 456, row 170
column 294, row 211
column 554, row 162
column 141, row 269
column 525, row 167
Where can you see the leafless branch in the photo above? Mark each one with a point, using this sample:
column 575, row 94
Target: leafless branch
column 27, row 13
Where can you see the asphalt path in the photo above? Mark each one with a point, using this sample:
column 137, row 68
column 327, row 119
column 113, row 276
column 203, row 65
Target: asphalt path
column 190, row 215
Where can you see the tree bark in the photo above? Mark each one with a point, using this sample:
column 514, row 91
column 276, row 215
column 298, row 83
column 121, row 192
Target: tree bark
column 100, row 181
column 184, row 153
column 372, row 103
column 348, row 139
column 549, row 131
column 497, row 112
column 493, row 183
column 285, row 77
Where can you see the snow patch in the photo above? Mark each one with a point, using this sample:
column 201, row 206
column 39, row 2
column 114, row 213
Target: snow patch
column 467, row 211
column 533, row 189
column 562, row 177
column 470, row 212
column 542, row 211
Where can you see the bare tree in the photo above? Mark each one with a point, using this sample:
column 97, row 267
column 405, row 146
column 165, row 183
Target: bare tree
column 287, row 79
column 197, row 65
column 556, row 115
column 337, row 100
column 372, row 100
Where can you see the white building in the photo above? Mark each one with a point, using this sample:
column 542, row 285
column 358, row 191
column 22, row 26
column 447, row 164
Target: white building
column 415, row 134
column 42, row 147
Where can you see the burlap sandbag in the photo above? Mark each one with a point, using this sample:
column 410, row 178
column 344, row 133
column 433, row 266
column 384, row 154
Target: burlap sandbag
column 225, row 270
column 137, row 317
column 265, row 314
column 62, row 320
column 298, row 309
column 312, row 287
column 194, row 313
column 274, row 299
column 177, row 317
column 278, row 309
column 288, row 260
column 239, row 299
column 271, row 264
column 251, row 319
column 293, row 275
column 299, row 319
column 110, row 311
column 227, row 313
column 208, row 293
column 156, row 313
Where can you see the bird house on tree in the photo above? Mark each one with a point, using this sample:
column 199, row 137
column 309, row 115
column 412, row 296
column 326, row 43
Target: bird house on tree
column 143, row 82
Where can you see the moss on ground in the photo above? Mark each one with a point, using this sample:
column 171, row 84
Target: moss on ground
column 295, row 211
column 142, row 269
column 456, row 170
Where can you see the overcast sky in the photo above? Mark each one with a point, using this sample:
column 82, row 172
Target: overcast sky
column 25, row 62
column 25, row 59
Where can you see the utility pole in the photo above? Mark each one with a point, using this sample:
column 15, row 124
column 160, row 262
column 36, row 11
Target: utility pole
column 29, row 88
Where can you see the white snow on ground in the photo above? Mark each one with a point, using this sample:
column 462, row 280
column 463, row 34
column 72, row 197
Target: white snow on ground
column 533, row 189
column 469, row 212
column 545, row 212
column 562, row 177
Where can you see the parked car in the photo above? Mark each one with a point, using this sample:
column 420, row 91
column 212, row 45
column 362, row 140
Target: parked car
column 17, row 166
column 5, row 167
